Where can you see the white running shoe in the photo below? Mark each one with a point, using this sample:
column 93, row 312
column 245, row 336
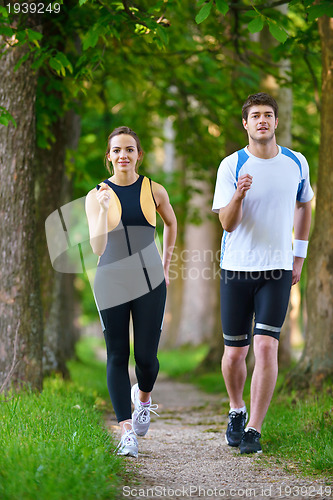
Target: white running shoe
column 128, row 445
column 141, row 413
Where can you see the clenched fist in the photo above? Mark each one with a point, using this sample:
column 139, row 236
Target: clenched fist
column 244, row 184
column 103, row 196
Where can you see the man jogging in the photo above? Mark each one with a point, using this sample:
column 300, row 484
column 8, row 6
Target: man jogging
column 261, row 193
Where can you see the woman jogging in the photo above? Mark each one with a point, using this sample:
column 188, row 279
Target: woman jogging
column 130, row 279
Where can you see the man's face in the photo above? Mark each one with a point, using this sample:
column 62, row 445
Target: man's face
column 261, row 123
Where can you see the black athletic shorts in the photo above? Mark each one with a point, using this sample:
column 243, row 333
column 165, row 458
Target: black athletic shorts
column 263, row 295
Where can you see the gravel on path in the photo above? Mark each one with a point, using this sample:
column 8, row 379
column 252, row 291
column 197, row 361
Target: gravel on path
column 184, row 455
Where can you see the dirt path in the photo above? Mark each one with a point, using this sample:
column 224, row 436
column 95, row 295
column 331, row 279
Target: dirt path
column 184, row 455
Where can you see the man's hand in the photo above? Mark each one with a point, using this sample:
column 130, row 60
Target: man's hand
column 231, row 215
column 244, row 184
column 297, row 269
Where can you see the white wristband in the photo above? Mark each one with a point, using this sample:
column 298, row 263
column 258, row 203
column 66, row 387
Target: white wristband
column 300, row 248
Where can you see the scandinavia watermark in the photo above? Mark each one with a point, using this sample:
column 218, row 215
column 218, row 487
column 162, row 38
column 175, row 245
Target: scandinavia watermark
column 192, row 491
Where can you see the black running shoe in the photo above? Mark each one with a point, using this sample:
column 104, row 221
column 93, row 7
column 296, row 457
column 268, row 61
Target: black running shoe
column 235, row 428
column 250, row 442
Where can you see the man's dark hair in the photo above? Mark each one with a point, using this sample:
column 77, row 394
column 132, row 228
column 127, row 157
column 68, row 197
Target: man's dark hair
column 259, row 99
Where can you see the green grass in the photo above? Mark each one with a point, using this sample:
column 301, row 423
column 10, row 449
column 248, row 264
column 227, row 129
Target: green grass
column 87, row 371
column 181, row 361
column 297, row 427
column 54, row 445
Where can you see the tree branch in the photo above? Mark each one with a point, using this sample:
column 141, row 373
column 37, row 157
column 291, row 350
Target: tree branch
column 131, row 15
column 315, row 82
column 238, row 6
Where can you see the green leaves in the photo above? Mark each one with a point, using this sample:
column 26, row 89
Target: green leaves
column 33, row 35
column 59, row 63
column 3, row 12
column 91, row 38
column 259, row 18
column 22, row 36
column 256, row 24
column 6, row 117
column 277, row 31
column 322, row 8
column 221, row 5
column 6, row 31
column 204, row 12
column 163, row 34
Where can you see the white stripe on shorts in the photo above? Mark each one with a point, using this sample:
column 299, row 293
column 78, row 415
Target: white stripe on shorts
column 235, row 337
column 269, row 328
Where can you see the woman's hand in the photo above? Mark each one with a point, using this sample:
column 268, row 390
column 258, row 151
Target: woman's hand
column 97, row 205
column 103, row 196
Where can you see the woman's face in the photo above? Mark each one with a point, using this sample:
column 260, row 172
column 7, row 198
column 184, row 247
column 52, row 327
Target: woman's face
column 123, row 153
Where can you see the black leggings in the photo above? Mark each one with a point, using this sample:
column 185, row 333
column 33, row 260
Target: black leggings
column 147, row 316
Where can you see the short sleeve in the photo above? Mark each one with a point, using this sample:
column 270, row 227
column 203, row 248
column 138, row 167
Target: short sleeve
column 225, row 184
column 305, row 192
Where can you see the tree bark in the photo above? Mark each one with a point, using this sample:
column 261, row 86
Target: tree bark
column 20, row 304
column 54, row 189
column 175, row 294
column 316, row 364
column 216, row 345
column 199, row 268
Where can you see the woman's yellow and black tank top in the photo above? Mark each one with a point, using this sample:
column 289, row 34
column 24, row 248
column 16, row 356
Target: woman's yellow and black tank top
column 131, row 264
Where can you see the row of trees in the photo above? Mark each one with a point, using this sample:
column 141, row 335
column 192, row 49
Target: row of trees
column 69, row 78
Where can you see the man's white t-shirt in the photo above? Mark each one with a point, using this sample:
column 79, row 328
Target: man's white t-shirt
column 263, row 239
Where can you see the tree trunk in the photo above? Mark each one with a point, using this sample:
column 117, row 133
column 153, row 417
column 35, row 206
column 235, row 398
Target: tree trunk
column 191, row 309
column 316, row 364
column 199, row 268
column 175, row 289
column 20, row 304
column 54, row 189
column 216, row 345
